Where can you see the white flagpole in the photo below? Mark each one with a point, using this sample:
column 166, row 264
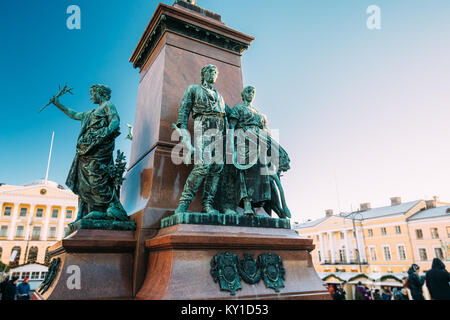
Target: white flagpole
column 49, row 158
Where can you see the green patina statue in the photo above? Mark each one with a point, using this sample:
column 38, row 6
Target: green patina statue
column 94, row 176
column 264, row 159
column 208, row 109
column 240, row 181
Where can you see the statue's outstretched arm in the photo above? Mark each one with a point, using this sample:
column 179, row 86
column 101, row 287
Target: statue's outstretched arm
column 69, row 112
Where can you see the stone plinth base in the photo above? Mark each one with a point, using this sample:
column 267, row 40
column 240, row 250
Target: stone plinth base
column 102, row 225
column 179, row 264
column 94, row 265
column 225, row 219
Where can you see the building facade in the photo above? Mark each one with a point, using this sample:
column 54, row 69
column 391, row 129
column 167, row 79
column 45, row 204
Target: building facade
column 379, row 243
column 32, row 218
column 430, row 233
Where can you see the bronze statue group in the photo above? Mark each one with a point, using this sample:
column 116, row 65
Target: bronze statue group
column 251, row 180
column 254, row 181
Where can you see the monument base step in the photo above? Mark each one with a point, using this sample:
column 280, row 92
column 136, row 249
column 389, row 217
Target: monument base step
column 219, row 219
column 90, row 265
column 95, row 224
column 182, row 259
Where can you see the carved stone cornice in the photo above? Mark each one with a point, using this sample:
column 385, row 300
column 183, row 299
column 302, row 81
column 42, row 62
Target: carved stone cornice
column 191, row 24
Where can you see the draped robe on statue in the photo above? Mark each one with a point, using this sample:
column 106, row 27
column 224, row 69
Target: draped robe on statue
column 254, row 182
column 94, row 151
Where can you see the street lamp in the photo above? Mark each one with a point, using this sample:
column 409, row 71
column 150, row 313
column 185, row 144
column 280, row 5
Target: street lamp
column 356, row 238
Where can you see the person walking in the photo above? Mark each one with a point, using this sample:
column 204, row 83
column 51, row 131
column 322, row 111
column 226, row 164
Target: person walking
column 9, row 292
column 415, row 282
column 386, row 295
column 360, row 292
column 339, row 293
column 402, row 294
column 438, row 280
column 369, row 293
column 3, row 283
column 23, row 290
column 376, row 294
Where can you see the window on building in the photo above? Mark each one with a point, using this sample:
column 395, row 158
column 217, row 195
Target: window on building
column 47, row 256
column 434, row 233
column 423, row 254
column 356, row 254
column 370, row 233
column 319, row 256
column 15, row 256
column 7, row 211
column 16, row 274
column 34, row 275
column 419, row 234
column 373, row 254
column 387, row 253
column 19, row 232
column 383, row 231
column 69, row 216
column 342, row 257
column 3, row 231
column 398, row 229
column 52, row 232
column 341, row 234
column 401, row 252
column 43, row 274
column 39, row 212
column 23, row 212
column 55, row 213
column 32, row 255
column 25, row 275
column 36, row 233
column 438, row 253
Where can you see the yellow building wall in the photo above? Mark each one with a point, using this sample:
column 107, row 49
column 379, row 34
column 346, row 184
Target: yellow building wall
column 428, row 242
column 407, row 238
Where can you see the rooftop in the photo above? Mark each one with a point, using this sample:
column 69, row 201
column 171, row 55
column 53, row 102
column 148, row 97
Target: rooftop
column 443, row 211
column 310, row 224
column 44, row 183
column 367, row 214
column 382, row 211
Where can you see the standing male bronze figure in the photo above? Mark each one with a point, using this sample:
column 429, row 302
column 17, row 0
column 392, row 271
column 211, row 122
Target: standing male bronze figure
column 209, row 113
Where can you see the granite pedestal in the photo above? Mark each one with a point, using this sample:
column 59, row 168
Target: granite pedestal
column 180, row 257
column 103, row 261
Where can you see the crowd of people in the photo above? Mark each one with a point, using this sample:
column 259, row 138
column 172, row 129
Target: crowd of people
column 11, row 290
column 437, row 280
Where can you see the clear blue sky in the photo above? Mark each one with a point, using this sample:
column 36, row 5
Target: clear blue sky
column 364, row 114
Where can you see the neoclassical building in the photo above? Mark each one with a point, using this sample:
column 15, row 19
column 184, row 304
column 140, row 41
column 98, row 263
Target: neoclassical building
column 32, row 218
column 378, row 245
